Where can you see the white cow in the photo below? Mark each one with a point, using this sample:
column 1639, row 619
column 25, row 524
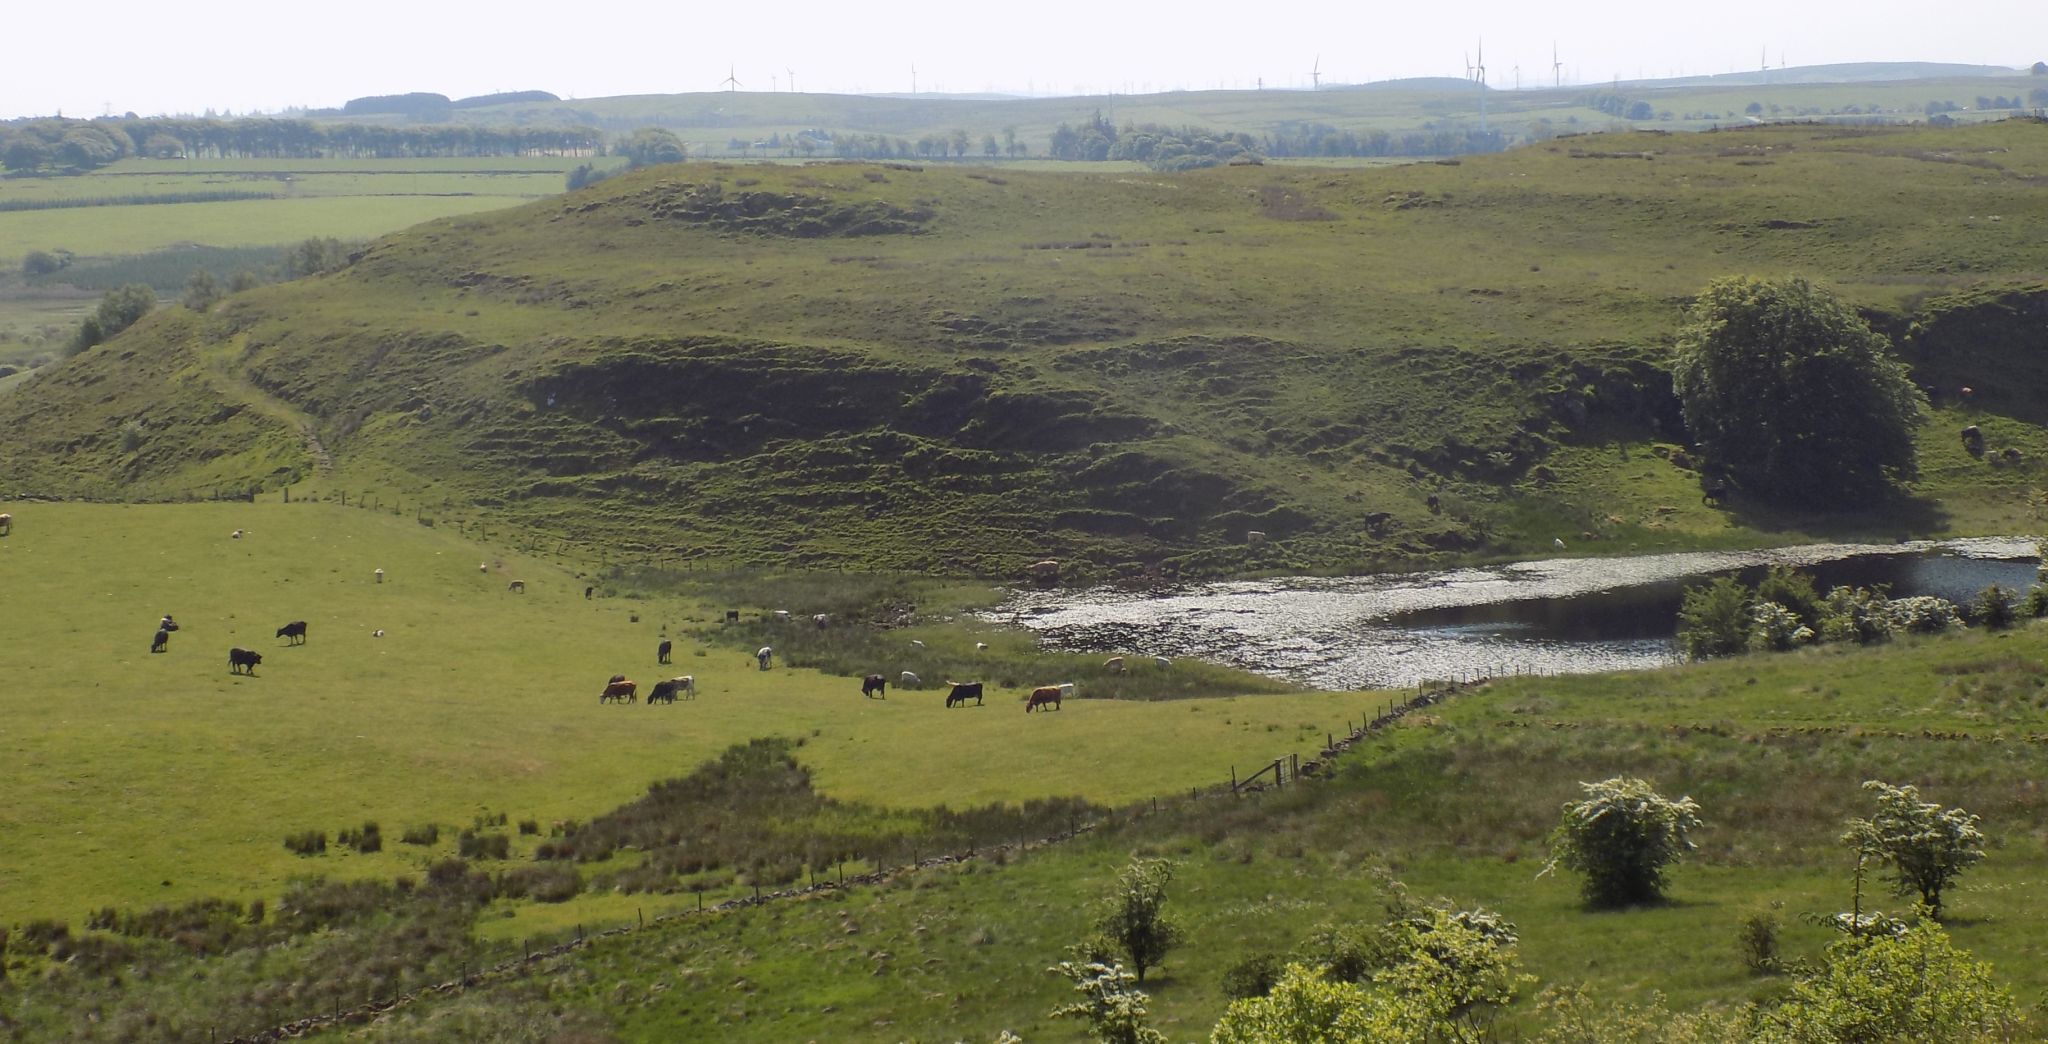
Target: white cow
column 764, row 655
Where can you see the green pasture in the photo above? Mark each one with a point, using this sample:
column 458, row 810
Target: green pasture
column 136, row 778
column 1455, row 803
column 100, row 231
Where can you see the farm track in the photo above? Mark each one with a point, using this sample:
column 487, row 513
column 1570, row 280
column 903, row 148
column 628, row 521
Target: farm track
column 525, row 963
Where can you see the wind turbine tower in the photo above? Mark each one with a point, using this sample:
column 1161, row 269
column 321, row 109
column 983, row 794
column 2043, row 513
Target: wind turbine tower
column 1480, row 70
column 1315, row 75
column 792, row 80
column 731, row 83
column 913, row 79
column 1556, row 67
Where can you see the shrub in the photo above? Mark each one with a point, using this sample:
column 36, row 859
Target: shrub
column 1774, row 628
column 1714, row 619
column 1924, row 614
column 1114, row 1008
column 1924, row 845
column 1917, row 986
column 1856, row 614
column 307, row 842
column 1252, row 977
column 1995, row 608
column 421, row 835
column 541, row 883
column 2036, row 603
column 367, row 839
column 529, row 826
column 1756, row 939
column 1132, row 916
column 472, row 845
column 1794, row 590
column 1621, row 837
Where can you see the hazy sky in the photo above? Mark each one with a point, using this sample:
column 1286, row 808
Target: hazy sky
column 242, row 55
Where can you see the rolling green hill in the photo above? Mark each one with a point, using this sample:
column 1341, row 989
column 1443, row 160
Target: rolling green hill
column 958, row 368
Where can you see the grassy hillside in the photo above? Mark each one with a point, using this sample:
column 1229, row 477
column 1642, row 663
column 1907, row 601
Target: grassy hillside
column 964, row 369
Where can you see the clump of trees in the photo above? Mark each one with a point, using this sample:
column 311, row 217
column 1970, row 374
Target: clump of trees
column 1156, row 146
column 1620, row 837
column 649, row 146
column 1722, row 617
column 1793, row 394
column 117, row 311
column 57, row 145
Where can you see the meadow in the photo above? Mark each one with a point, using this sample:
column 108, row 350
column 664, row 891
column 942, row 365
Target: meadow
column 137, row 778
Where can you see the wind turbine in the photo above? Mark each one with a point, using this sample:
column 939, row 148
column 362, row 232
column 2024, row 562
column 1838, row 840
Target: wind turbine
column 913, row 79
column 792, row 80
column 1556, row 67
column 1481, row 70
column 731, row 82
column 1315, row 75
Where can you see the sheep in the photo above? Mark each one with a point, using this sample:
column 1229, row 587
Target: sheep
column 1162, row 661
column 6, row 523
column 1114, row 665
column 379, row 574
column 909, row 681
column 1254, row 538
column 980, row 646
column 236, row 535
column 915, row 644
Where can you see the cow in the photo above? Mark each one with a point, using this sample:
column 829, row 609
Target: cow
column 588, row 592
column 161, row 642
column 6, row 524
column 1254, row 538
column 1044, row 695
column 1973, row 441
column 915, row 644
column 910, row 681
column 873, row 684
column 516, row 587
column 765, row 655
column 619, row 690
column 1114, row 665
column 980, row 646
column 483, row 567
column 821, row 620
column 243, row 661
column 236, row 535
column 294, row 633
column 962, row 692
column 667, row 691
column 1045, row 572
column 662, row 651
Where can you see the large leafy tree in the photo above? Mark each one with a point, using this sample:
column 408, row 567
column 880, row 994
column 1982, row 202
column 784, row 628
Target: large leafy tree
column 1793, row 393
column 651, row 145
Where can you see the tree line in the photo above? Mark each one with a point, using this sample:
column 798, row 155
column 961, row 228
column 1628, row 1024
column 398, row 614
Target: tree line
column 60, row 144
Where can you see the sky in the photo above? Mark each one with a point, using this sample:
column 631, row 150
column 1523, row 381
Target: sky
column 241, row 55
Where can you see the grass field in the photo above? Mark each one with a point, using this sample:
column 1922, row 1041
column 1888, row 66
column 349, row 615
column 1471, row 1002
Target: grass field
column 137, row 778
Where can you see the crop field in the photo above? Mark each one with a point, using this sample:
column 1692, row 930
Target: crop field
column 140, row 778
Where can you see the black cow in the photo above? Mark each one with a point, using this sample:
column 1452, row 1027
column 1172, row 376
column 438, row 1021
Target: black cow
column 294, row 631
column 661, row 651
column 161, row 642
column 873, row 684
column 243, row 661
column 964, row 691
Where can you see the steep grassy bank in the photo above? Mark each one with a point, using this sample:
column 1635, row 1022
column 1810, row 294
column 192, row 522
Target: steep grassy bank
column 954, row 368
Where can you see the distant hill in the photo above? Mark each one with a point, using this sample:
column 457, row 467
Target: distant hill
column 958, row 368
column 1845, row 72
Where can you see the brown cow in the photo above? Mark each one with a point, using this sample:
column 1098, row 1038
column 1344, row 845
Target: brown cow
column 620, row 690
column 1042, row 696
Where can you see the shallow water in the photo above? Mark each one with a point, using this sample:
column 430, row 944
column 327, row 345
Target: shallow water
column 1553, row 616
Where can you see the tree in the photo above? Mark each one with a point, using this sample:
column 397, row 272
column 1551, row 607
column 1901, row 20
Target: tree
column 1621, row 837
column 202, row 291
column 651, row 145
column 1132, row 920
column 1925, row 845
column 44, row 262
column 1793, row 393
column 1915, row 986
column 1113, row 1006
column 1714, row 619
column 123, row 308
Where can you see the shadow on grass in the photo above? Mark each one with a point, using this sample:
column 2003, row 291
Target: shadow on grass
column 1895, row 516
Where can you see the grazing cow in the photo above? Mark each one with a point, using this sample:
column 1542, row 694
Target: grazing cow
column 764, row 656
column 243, row 661
column 873, row 684
column 1114, row 665
column 1557, row 543
column 821, row 620
column 294, row 632
column 1043, row 696
column 962, row 692
column 1162, row 661
column 618, row 690
column 910, row 681
column 6, row 524
column 732, row 616
column 661, row 651
column 1066, row 690
column 378, row 633
column 1254, row 537
column 161, row 642
column 516, row 587
column 667, row 691
column 1045, row 572
column 1434, row 503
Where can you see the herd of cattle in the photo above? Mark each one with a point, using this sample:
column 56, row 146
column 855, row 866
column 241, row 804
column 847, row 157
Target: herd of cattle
column 620, row 689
